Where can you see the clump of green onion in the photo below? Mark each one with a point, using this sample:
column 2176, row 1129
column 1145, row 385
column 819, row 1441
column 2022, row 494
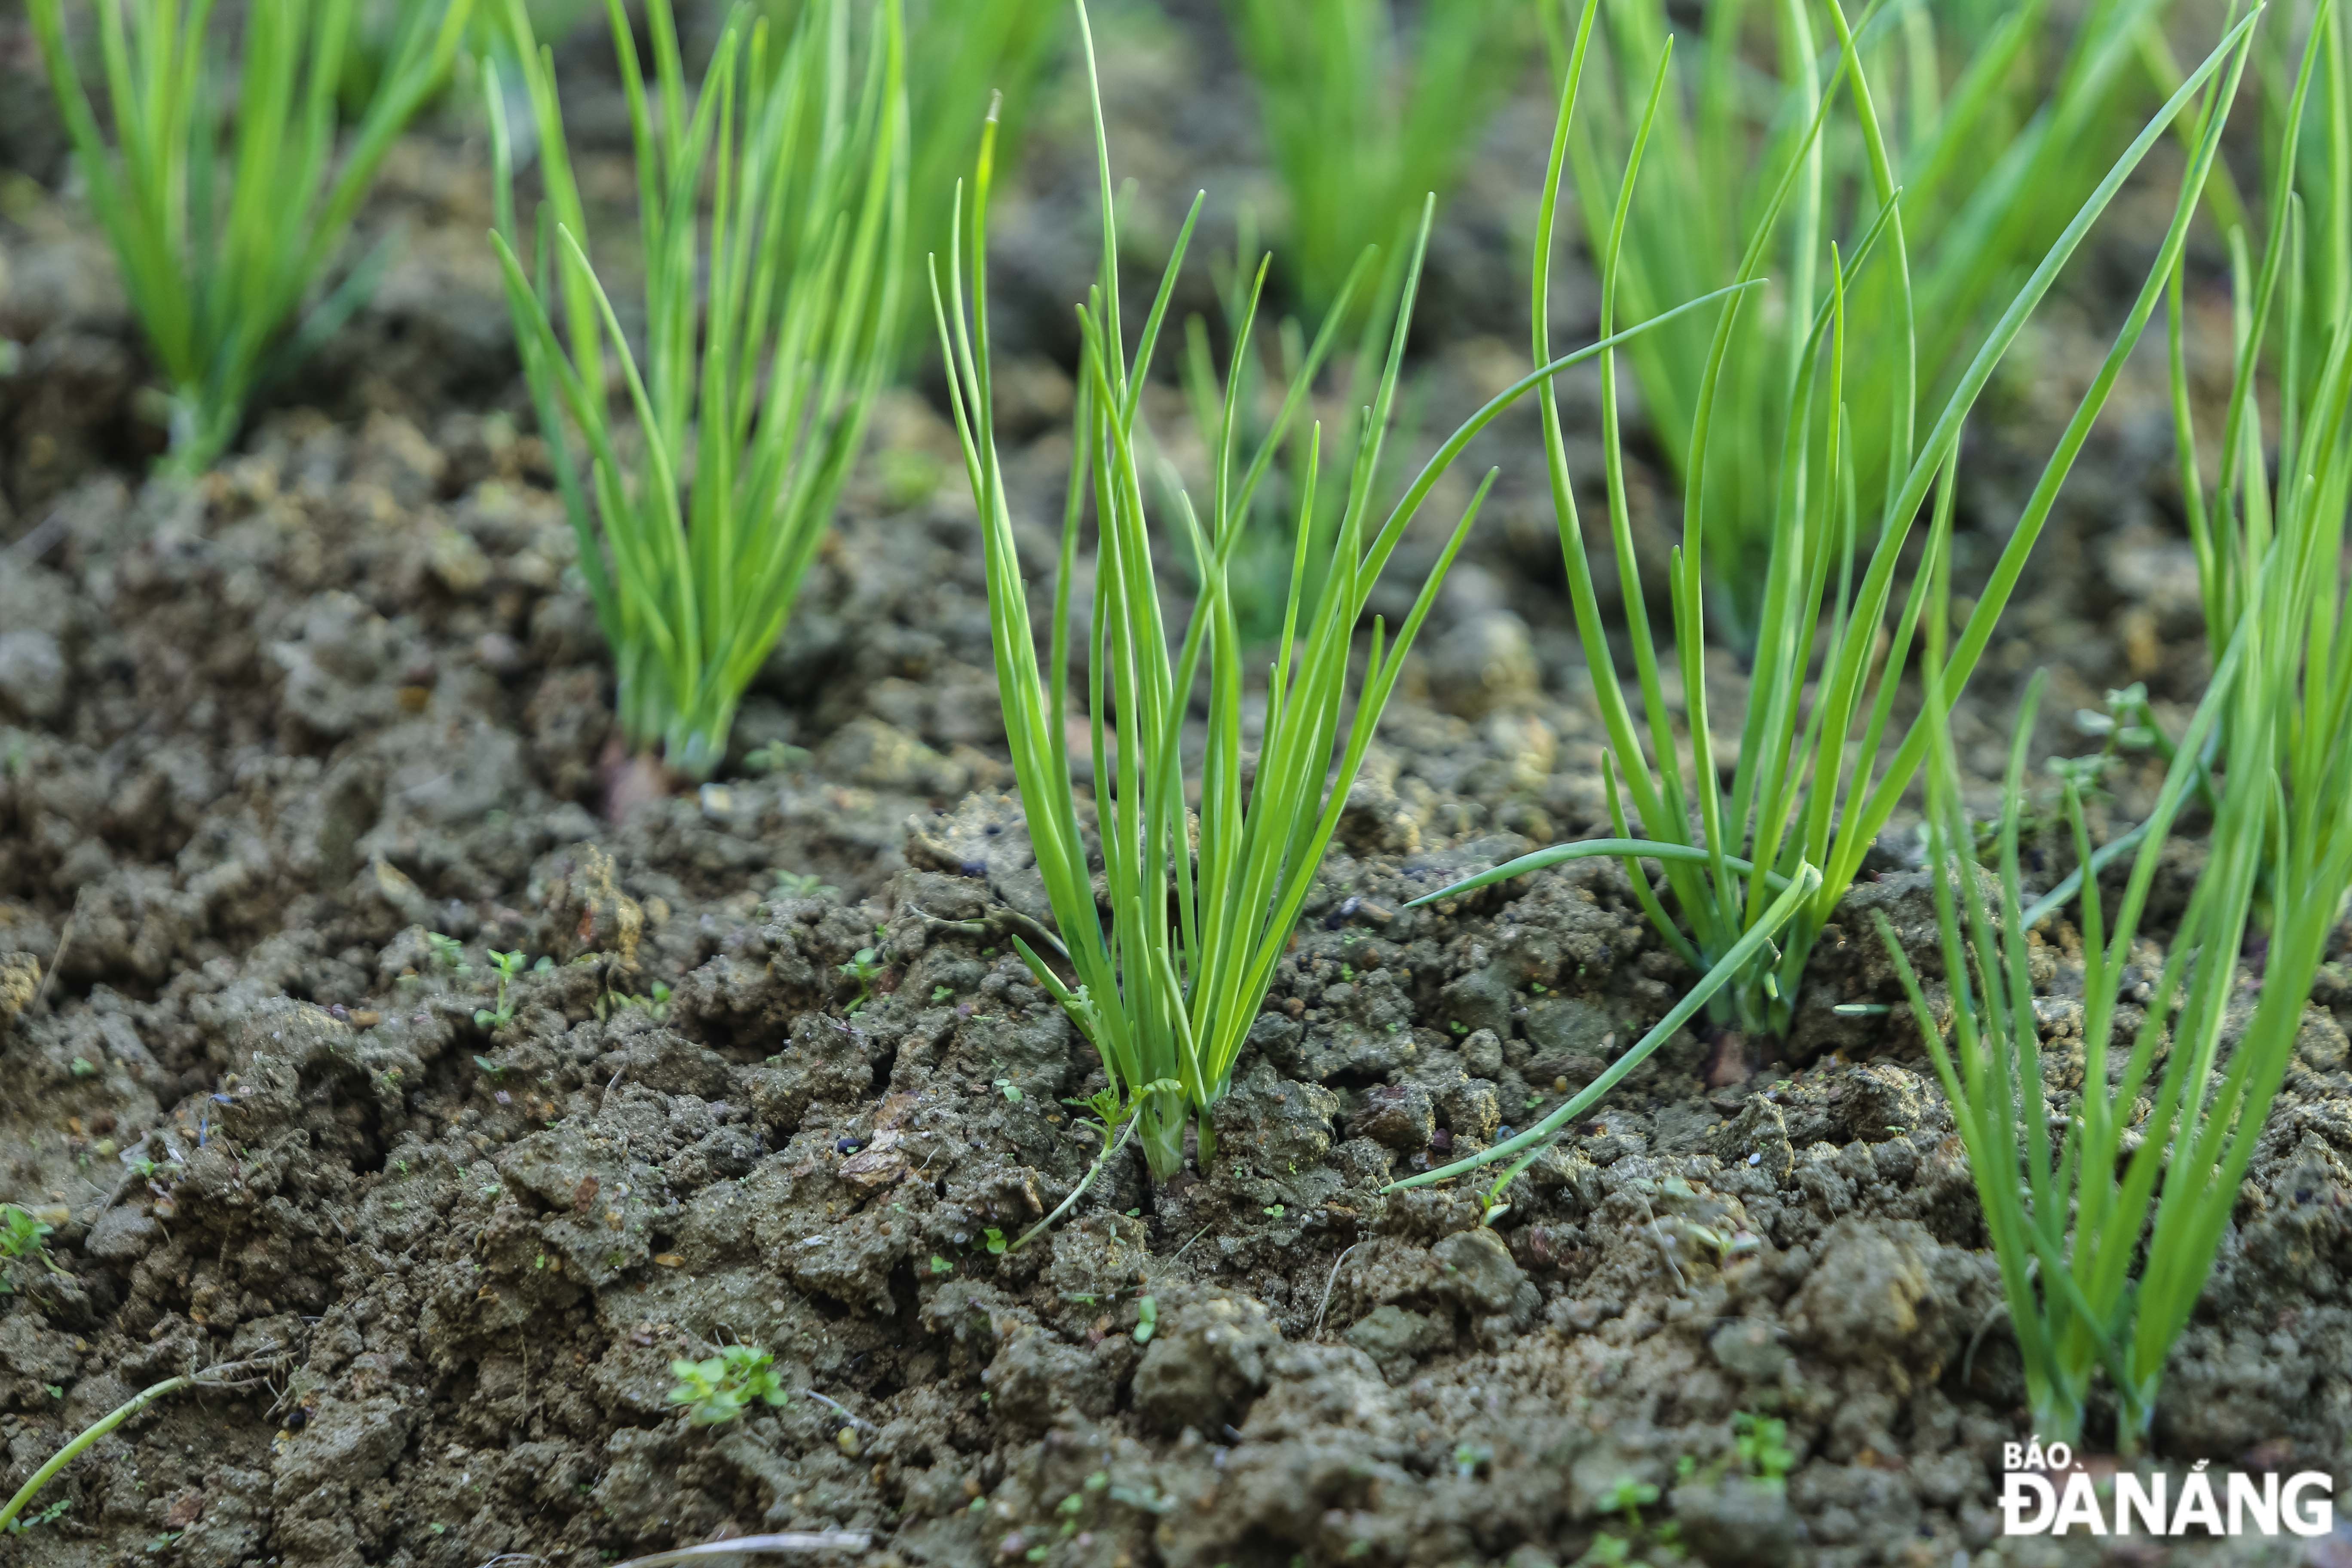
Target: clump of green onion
column 1994, row 135
column 1201, row 899
column 226, row 231
column 1812, row 785
column 2156, row 1144
column 1364, row 118
column 770, row 328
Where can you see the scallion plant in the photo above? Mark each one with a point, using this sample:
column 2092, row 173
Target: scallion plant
column 2289, row 309
column 769, row 328
column 1994, row 148
column 1259, row 574
column 381, row 29
column 1814, row 783
column 1365, row 117
column 227, row 211
column 962, row 53
column 2148, row 1169
column 1206, row 867
column 963, row 57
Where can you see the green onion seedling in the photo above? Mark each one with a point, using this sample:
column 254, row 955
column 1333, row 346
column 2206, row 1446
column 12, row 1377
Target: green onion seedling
column 1812, row 787
column 1995, row 132
column 236, row 1374
column 223, row 241
column 1364, row 119
column 2148, row 1170
column 771, row 323
column 1167, row 992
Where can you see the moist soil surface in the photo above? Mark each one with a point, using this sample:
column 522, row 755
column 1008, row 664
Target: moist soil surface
column 285, row 755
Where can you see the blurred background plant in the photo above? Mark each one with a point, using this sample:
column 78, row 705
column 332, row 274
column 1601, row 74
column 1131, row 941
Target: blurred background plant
column 381, row 29
column 965, row 59
column 1366, row 115
column 227, row 192
column 1339, row 370
column 1997, row 122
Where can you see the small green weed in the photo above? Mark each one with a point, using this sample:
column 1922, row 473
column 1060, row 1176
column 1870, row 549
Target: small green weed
column 1759, row 1446
column 865, row 966
column 718, row 1389
column 509, row 965
column 803, row 885
column 21, row 1237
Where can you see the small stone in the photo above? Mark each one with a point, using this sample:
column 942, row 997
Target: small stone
column 1482, row 999
column 1399, row 1115
column 121, row 1235
column 32, row 674
column 20, row 982
column 1479, row 1271
column 459, row 562
column 1395, row 1337
column 1758, row 1138
column 1882, row 1100
column 1738, row 1522
column 2320, row 1048
column 1482, row 1054
column 1749, row 1348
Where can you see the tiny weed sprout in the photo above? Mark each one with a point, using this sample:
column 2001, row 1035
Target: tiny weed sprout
column 1167, row 992
column 770, row 326
column 1359, row 138
column 509, row 965
column 1760, row 1445
column 865, row 966
column 718, row 1389
column 1812, row 787
column 21, row 1237
column 225, row 238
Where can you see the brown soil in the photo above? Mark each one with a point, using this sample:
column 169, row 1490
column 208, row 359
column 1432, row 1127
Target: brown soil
column 259, row 739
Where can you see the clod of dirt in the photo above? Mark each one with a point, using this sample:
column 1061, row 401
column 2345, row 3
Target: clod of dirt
column 20, row 982
column 1399, row 1115
column 1874, row 1297
column 1737, row 1523
column 1206, row 1361
column 32, row 674
column 1396, row 1337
